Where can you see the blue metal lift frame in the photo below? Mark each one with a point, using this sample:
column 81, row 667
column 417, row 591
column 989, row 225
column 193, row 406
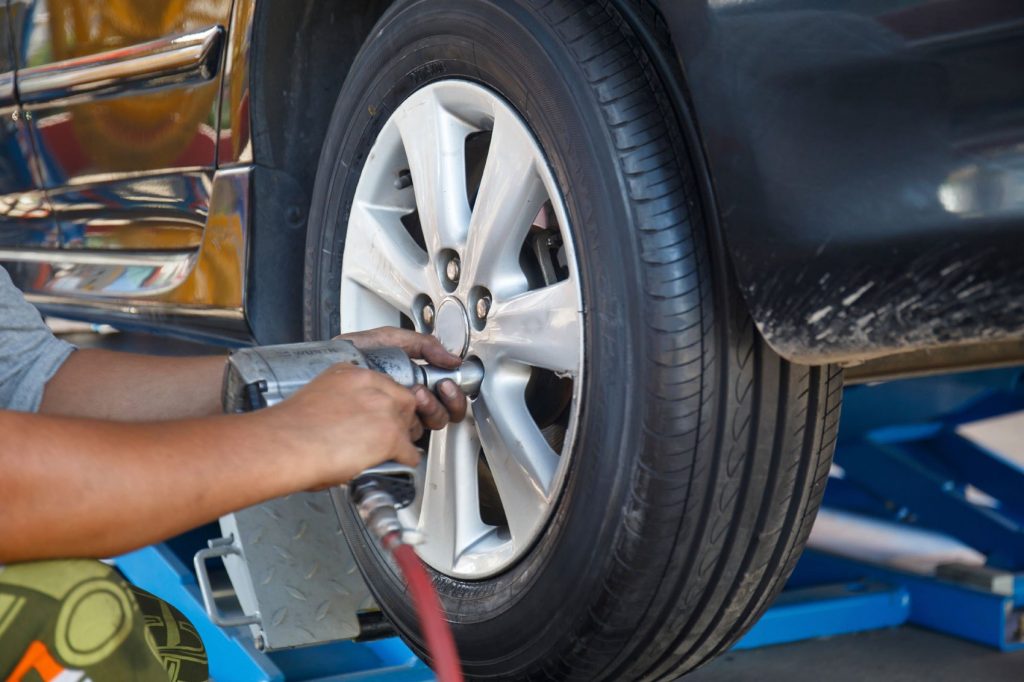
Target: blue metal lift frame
column 902, row 459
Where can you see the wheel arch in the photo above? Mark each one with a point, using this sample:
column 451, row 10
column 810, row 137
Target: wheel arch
column 301, row 52
column 829, row 160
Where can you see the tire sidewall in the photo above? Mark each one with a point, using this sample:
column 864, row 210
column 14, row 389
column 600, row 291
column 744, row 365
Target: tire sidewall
column 512, row 49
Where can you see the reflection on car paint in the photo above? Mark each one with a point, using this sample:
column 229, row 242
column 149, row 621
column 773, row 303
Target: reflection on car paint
column 149, row 131
column 235, row 145
column 204, row 282
column 125, row 174
column 148, row 213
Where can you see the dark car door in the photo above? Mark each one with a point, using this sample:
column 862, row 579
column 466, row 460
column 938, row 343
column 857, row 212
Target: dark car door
column 25, row 218
column 121, row 100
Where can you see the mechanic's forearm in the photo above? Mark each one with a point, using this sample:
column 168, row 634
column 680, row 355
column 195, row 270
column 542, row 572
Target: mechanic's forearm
column 81, row 488
column 127, row 387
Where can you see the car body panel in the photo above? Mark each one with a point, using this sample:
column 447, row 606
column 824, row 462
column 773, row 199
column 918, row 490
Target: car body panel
column 235, row 145
column 121, row 102
column 191, row 292
column 134, row 125
column 115, row 90
column 867, row 160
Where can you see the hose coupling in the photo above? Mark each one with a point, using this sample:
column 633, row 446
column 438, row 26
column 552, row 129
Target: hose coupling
column 377, row 509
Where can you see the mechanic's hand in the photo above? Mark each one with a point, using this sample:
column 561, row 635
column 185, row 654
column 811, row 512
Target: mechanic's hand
column 345, row 421
column 435, row 414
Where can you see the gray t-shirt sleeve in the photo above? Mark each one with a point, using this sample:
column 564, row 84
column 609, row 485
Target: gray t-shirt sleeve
column 29, row 352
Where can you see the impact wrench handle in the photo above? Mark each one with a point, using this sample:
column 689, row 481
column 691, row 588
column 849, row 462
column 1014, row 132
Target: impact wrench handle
column 264, row 376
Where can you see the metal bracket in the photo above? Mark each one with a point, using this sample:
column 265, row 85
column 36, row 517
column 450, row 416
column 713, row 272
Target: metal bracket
column 218, row 549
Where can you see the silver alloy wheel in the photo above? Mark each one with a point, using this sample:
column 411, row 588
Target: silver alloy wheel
column 474, row 226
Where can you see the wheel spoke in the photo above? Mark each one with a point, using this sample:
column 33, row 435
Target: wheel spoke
column 540, row 328
column 520, row 459
column 450, row 508
column 511, row 194
column 434, row 141
column 389, row 262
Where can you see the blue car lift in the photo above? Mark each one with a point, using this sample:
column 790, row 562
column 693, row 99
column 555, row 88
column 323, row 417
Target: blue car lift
column 901, row 459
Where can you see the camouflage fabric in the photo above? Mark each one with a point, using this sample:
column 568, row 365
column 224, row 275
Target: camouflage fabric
column 80, row 621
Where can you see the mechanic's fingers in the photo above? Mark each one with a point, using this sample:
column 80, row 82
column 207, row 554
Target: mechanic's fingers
column 378, row 391
column 455, row 401
column 431, row 350
column 421, row 346
column 432, row 413
column 409, row 455
column 404, row 407
column 415, row 344
column 377, row 381
column 398, row 410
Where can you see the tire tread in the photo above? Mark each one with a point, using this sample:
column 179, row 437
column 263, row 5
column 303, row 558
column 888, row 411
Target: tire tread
column 715, row 561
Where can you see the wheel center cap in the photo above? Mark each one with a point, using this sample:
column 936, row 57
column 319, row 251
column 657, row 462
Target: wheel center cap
column 451, row 327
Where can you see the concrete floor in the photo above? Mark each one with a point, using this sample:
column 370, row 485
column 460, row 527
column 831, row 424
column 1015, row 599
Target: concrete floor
column 899, row 655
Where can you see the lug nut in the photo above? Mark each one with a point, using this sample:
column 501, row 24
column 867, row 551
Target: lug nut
column 483, row 307
column 428, row 315
column 404, row 180
column 453, row 270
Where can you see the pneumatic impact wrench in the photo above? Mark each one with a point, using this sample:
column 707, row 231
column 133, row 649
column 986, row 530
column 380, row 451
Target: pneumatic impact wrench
column 262, row 377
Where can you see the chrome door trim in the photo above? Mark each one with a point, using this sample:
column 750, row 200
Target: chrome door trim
column 94, row 275
column 148, row 314
column 201, row 289
column 176, row 60
column 95, row 178
column 111, row 258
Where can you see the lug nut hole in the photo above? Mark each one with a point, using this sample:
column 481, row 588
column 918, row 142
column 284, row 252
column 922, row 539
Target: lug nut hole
column 450, row 269
column 480, row 304
column 424, row 313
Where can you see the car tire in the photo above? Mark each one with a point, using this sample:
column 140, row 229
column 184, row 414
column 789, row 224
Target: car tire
column 700, row 456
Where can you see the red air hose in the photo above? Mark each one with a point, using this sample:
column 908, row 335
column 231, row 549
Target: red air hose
column 439, row 639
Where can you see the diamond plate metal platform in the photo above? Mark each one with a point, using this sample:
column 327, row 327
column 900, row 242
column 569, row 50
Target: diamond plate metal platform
column 293, row 572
